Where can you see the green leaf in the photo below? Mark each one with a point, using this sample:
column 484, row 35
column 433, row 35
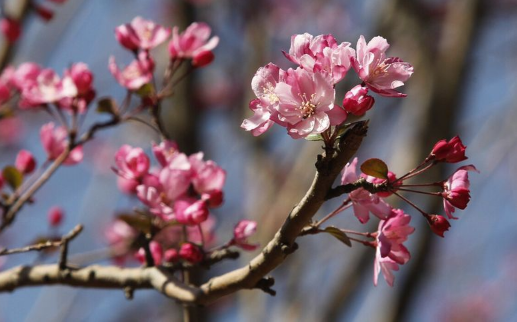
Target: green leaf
column 107, row 105
column 12, row 176
column 375, row 168
column 139, row 222
column 339, row 235
column 314, row 137
column 146, row 90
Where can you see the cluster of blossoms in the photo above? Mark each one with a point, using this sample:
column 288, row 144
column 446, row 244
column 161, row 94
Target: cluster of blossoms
column 394, row 223
column 178, row 193
column 303, row 99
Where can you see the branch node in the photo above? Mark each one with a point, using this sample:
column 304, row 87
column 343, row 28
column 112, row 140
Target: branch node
column 289, row 249
column 129, row 292
column 265, row 285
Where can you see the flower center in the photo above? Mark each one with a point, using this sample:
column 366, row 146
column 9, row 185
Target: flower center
column 307, row 108
column 269, row 93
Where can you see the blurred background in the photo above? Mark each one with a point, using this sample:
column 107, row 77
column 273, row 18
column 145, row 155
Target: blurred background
column 464, row 56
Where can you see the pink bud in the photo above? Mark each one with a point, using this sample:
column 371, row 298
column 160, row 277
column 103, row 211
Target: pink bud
column 171, row 255
column 44, row 12
column 202, row 59
column 156, row 253
column 190, row 213
column 81, row 76
column 1, row 182
column 458, row 197
column 242, row 231
column 451, row 152
column 213, row 198
column 439, row 225
column 357, row 101
column 191, row 253
column 55, row 216
column 11, row 29
column 25, row 162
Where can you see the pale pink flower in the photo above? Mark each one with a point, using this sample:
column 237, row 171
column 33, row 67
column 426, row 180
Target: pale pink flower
column 242, row 231
column 321, row 54
column 55, row 141
column 363, row 202
column 264, row 107
column 55, row 216
column 390, row 253
column 119, row 232
column 188, row 211
column 357, row 101
column 165, row 152
column 25, row 75
column 456, row 190
column 135, row 75
column 141, row 34
column 380, row 73
column 193, row 42
column 305, row 100
column 25, row 162
column 48, row 88
column 132, row 163
column 208, row 179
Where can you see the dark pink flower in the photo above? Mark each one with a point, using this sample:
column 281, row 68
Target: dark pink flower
column 55, row 216
column 55, row 141
column 321, row 54
column 193, row 43
column 171, row 256
column 456, row 190
column 242, row 231
column 44, row 12
column 132, row 163
column 141, row 34
column 452, row 151
column 439, row 225
column 357, row 101
column 381, row 74
column 25, row 162
column 363, row 202
column 156, row 252
column 390, row 253
column 392, row 178
column 82, row 77
column 191, row 253
column 135, row 75
column 190, row 211
column 11, row 29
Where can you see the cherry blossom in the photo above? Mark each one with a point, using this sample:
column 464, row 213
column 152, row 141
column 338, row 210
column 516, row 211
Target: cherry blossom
column 380, row 73
column 242, row 231
column 439, row 225
column 55, row 140
column 208, row 179
column 11, row 29
column 390, row 252
column 193, row 43
column 451, row 152
column 456, row 190
column 156, row 252
column 55, row 216
column 25, row 162
column 357, row 101
column 47, row 88
column 135, row 75
column 363, row 202
column 191, row 253
column 141, row 34
column 132, row 163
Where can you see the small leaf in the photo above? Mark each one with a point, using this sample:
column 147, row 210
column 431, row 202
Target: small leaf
column 314, row 137
column 146, row 90
column 375, row 168
column 338, row 234
column 107, row 105
column 13, row 177
column 139, row 222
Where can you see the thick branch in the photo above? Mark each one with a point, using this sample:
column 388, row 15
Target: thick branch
column 360, row 183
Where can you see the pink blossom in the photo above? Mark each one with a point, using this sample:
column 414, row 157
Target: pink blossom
column 25, row 162
column 48, row 88
column 203, row 59
column 392, row 179
column 141, row 34
column 381, row 74
column 11, row 129
column 127, row 186
column 191, row 253
column 55, row 216
column 25, row 75
column 439, row 225
column 156, row 252
column 363, row 202
column 190, row 211
column 242, row 231
column 456, row 190
column 120, row 232
column 55, row 142
column 390, row 253
column 138, row 73
column 193, row 43
column 208, row 178
column 305, row 100
column 82, row 78
column 171, row 255
column 452, row 151
column 321, row 54
column 265, row 106
column 11, row 29
column 132, row 163
column 357, row 101
column 165, row 152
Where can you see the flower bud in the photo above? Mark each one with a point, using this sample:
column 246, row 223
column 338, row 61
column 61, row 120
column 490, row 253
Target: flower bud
column 439, row 225
column 171, row 255
column 25, row 162
column 191, row 253
column 391, row 179
column 156, row 253
column 451, row 152
column 213, row 198
column 55, row 216
column 202, row 59
column 241, row 232
column 357, row 101
column 458, row 197
column 11, row 29
column 188, row 213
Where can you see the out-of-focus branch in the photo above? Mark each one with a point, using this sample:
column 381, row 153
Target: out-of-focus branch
column 18, row 13
column 248, row 277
